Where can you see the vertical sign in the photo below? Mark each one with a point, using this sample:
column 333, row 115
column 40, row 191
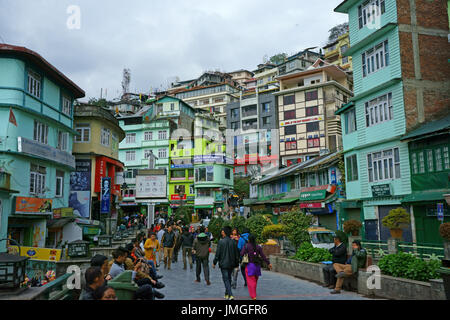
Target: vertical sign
column 105, row 200
column 80, row 189
column 440, row 212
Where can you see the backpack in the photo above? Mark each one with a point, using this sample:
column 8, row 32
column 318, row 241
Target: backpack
column 256, row 257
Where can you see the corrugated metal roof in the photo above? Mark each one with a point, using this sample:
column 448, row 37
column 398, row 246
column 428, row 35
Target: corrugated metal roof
column 428, row 128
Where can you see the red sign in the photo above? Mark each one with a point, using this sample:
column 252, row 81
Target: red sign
column 311, row 205
column 177, row 197
column 331, row 188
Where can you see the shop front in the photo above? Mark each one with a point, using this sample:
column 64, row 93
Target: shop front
column 60, row 229
column 320, row 202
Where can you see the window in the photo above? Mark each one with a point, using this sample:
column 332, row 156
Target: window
column 369, row 10
column 291, row 145
column 430, row 160
column 131, row 138
column 37, row 179
column 446, row 159
column 311, row 95
column 438, row 159
column 85, row 132
column 421, row 163
column 352, row 168
column 40, row 133
column 105, row 137
column 130, row 155
column 289, row 115
column 266, row 120
column 350, row 121
column 312, row 126
column 204, row 192
column 59, row 184
column 172, row 106
column 227, row 173
column 34, row 84
column 344, row 48
column 162, row 153
column 148, row 135
column 266, row 107
column 63, row 141
column 162, row 135
column 384, row 165
column 344, row 60
column 379, row 110
column 312, row 111
column 414, row 163
column 375, row 58
column 289, row 100
column 323, row 178
column 313, row 142
column 290, row 130
column 235, row 125
column 235, row 113
column 66, row 105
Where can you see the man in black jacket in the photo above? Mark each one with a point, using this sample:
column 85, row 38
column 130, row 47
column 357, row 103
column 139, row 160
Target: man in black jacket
column 339, row 252
column 168, row 243
column 227, row 254
column 187, row 240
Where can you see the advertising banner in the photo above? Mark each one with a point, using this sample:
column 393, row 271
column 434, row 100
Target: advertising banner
column 33, row 205
column 80, row 201
column 105, row 202
column 43, row 254
column 80, row 180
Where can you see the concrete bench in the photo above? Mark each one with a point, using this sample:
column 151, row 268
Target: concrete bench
column 351, row 282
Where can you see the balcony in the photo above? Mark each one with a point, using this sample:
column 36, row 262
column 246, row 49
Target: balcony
column 249, row 112
column 252, row 126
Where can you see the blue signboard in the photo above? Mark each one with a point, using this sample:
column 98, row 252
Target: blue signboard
column 440, row 211
column 105, row 195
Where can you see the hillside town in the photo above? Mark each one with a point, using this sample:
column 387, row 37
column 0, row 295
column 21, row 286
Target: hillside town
column 343, row 144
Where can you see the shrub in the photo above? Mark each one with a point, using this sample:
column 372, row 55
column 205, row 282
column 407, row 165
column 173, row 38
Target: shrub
column 444, row 231
column 215, row 226
column 396, row 219
column 274, row 231
column 351, row 226
column 256, row 226
column 184, row 214
column 238, row 222
column 297, row 224
column 308, row 253
column 406, row 265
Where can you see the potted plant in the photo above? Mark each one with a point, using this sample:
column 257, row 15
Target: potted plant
column 444, row 231
column 353, row 227
column 396, row 221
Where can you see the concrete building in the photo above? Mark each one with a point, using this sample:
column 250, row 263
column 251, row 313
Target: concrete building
column 334, row 52
column 307, row 101
column 298, row 62
column 265, row 77
column 241, row 76
column 35, row 144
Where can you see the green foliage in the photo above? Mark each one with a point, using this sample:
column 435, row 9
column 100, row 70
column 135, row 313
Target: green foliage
column 337, row 31
column 215, row 226
column 184, row 214
column 406, row 265
column 242, row 187
column 308, row 253
column 259, row 212
column 444, row 231
column 278, row 58
column 396, row 219
column 297, row 224
column 239, row 223
column 352, row 226
column 274, row 231
column 256, row 226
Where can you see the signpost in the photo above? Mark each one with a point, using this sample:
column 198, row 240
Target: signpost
column 440, row 212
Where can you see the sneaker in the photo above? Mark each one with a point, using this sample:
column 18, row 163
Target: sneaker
column 335, row 292
column 227, row 297
column 208, row 283
column 230, row 298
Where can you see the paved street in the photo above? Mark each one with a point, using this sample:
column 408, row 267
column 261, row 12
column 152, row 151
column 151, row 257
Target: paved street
column 180, row 285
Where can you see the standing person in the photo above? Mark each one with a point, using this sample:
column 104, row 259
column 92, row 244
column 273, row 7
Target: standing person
column 253, row 268
column 339, row 252
column 151, row 247
column 168, row 243
column 161, row 252
column 200, row 248
column 187, row 240
column 176, row 248
column 227, row 254
column 243, row 239
column 235, row 236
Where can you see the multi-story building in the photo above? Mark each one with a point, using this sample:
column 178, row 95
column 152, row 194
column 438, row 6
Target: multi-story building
column 35, row 144
column 307, row 101
column 298, row 62
column 334, row 52
column 241, row 76
column 265, row 77
column 96, row 150
column 401, row 73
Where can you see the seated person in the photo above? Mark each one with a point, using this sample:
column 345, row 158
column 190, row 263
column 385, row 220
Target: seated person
column 104, row 293
column 102, row 262
column 356, row 261
column 339, row 252
column 137, row 253
column 94, row 279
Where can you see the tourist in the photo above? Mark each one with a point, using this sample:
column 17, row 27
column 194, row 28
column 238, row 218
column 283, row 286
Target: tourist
column 102, row 262
column 227, row 255
column 200, row 248
column 159, row 235
column 253, row 268
column 339, row 252
column 187, row 240
column 168, row 243
column 235, row 236
column 104, row 293
column 243, row 239
column 94, row 279
column 177, row 231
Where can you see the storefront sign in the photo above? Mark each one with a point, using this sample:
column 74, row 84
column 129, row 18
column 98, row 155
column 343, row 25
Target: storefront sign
column 311, row 205
column 381, row 190
column 45, row 151
column 105, row 202
column 33, row 205
column 62, row 213
column 151, row 186
column 80, row 180
column 440, row 211
column 33, row 253
column 298, row 121
column 313, row 195
column 80, row 201
column 177, row 197
column 91, row 230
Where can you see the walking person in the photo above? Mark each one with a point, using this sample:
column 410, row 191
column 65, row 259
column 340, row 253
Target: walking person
column 243, row 239
column 168, row 243
column 177, row 231
column 235, row 236
column 159, row 235
column 200, row 248
column 253, row 268
column 187, row 240
column 227, row 254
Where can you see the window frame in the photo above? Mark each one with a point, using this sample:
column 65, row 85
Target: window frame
column 34, row 83
column 59, row 177
column 378, row 107
column 380, row 165
column 81, row 128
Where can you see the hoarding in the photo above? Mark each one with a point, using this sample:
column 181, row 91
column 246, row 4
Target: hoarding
column 151, row 186
column 105, row 202
column 80, row 201
column 43, row 254
column 33, row 205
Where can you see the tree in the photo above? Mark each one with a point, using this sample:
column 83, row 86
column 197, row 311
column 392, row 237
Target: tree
column 242, row 187
column 297, row 224
column 184, row 214
column 337, row 31
column 278, row 58
column 256, row 226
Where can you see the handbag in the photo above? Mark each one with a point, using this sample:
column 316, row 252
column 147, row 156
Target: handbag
column 245, row 257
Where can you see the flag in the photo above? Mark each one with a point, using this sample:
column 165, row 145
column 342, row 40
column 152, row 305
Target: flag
column 12, row 118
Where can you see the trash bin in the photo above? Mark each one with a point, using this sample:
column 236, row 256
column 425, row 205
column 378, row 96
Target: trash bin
column 124, row 286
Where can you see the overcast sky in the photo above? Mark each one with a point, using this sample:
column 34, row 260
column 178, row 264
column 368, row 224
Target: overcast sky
column 160, row 40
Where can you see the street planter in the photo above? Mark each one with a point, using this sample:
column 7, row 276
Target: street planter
column 396, row 233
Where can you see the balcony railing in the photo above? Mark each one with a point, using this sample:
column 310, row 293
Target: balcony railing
column 250, row 127
column 250, row 113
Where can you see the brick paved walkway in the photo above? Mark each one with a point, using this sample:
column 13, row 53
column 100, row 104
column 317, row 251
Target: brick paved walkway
column 180, row 285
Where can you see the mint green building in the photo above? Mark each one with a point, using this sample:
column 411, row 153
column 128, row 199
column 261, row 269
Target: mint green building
column 377, row 162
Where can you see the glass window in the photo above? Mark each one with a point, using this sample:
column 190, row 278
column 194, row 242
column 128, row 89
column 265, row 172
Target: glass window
column 379, row 110
column 59, row 184
column 289, row 115
column 291, row 145
column 131, row 138
column 105, row 137
column 37, row 179
column 148, row 135
column 375, row 58
column 350, row 121
column 85, row 132
column 421, row 163
column 34, row 84
column 312, row 111
column 288, row 130
column 130, row 155
column 313, row 142
column 312, row 126
column 63, row 141
column 162, row 153
column 66, row 105
column 446, row 158
column 288, row 100
column 352, row 168
column 430, row 160
column 40, row 133
column 384, row 165
column 162, row 135
column 311, row 95
column 227, row 173
column 438, row 159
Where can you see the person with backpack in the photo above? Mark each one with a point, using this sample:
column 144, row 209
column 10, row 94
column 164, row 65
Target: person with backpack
column 254, row 255
column 200, row 248
column 235, row 236
column 243, row 239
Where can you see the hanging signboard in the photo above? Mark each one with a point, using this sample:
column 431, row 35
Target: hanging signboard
column 105, row 202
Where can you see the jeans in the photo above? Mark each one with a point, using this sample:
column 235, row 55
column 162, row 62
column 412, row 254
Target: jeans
column 168, row 252
column 199, row 263
column 243, row 266
column 152, row 272
column 329, row 275
column 187, row 252
column 226, row 277
column 235, row 277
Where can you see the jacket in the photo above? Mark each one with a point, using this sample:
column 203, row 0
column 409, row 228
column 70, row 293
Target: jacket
column 254, row 252
column 227, row 254
column 201, row 247
column 339, row 253
column 187, row 239
column 358, row 260
column 243, row 240
column 168, row 239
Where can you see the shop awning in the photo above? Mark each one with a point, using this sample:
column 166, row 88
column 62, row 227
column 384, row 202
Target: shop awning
column 204, row 207
column 435, row 195
column 286, row 200
column 59, row 223
column 313, row 195
column 250, row 201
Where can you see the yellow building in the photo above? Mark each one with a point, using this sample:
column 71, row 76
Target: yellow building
column 334, row 52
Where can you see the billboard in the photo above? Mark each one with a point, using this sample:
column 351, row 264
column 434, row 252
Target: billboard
column 105, row 197
column 43, row 254
column 80, row 180
column 80, row 201
column 151, row 186
column 33, row 205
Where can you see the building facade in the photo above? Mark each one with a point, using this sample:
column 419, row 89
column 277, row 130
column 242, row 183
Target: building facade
column 334, row 52
column 36, row 144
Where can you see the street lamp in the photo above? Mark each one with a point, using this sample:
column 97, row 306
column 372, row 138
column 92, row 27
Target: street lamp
column 12, row 269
